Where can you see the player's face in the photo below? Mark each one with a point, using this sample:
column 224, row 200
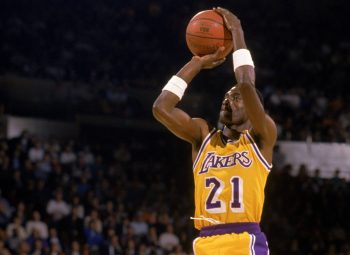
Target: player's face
column 232, row 108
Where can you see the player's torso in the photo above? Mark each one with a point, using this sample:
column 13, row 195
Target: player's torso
column 229, row 181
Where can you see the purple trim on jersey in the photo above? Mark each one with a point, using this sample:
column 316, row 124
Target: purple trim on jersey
column 229, row 228
column 260, row 246
column 203, row 145
column 256, row 149
column 222, row 139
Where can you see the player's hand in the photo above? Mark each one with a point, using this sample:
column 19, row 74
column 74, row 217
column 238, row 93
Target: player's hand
column 231, row 20
column 212, row 60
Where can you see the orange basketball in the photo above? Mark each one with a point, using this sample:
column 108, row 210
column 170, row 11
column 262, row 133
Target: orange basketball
column 206, row 32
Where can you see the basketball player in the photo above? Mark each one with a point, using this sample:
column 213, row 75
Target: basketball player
column 230, row 166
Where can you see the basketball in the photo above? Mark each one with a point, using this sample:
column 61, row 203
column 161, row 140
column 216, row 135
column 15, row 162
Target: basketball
column 206, row 32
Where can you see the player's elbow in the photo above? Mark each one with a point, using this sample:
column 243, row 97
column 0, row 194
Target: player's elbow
column 164, row 105
column 158, row 110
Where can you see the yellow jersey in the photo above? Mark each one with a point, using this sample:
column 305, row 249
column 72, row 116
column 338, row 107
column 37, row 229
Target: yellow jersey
column 230, row 179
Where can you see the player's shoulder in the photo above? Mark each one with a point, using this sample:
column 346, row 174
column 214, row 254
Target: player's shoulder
column 204, row 125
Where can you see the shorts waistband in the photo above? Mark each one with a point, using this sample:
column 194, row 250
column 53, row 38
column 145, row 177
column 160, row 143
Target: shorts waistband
column 229, row 228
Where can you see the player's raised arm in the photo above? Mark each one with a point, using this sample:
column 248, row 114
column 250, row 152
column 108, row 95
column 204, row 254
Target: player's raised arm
column 263, row 125
column 192, row 130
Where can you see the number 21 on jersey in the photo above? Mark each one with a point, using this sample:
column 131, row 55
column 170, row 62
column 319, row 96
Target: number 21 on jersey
column 213, row 202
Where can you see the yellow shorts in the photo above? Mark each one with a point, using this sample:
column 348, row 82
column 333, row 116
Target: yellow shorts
column 216, row 242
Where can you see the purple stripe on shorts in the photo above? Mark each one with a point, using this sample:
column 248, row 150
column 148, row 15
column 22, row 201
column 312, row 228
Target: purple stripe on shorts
column 260, row 245
column 252, row 250
column 237, row 228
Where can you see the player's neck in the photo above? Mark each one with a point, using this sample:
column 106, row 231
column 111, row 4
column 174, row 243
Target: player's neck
column 233, row 132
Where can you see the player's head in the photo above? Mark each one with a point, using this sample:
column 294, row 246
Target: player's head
column 232, row 108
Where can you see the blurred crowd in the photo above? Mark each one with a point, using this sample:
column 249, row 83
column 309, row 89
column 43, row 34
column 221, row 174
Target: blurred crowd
column 306, row 214
column 106, row 48
column 66, row 197
column 69, row 198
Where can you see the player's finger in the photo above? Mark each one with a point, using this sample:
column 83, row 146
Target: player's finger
column 219, row 62
column 221, row 10
column 224, row 12
column 218, row 10
column 219, row 51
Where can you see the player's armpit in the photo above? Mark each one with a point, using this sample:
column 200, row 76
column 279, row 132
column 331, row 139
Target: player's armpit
column 267, row 132
column 266, row 140
column 270, row 135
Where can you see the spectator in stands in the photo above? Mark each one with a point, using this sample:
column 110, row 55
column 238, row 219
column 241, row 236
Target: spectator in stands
column 93, row 216
column 54, row 241
column 168, row 240
column 57, row 176
column 79, row 206
column 36, row 153
column 87, row 155
column 15, row 232
column 131, row 247
column 39, row 248
column 279, row 159
column 94, row 237
column 75, row 225
column 178, row 251
column 42, row 195
column 3, row 249
column 83, row 186
column 57, row 208
column 34, row 236
column 75, row 248
column 152, row 237
column 38, row 225
column 21, row 211
column 44, row 167
column 16, row 163
column 22, row 248
column 5, row 211
column 138, row 224
column 112, row 246
column 68, row 156
column 55, row 249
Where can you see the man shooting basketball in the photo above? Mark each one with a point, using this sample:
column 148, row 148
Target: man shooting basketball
column 230, row 166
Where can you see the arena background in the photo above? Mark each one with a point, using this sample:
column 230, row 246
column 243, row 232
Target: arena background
column 81, row 151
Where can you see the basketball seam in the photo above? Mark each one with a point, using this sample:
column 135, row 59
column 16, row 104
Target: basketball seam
column 213, row 38
column 213, row 20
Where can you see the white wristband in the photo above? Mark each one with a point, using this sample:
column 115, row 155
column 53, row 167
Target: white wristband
column 242, row 57
column 176, row 85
